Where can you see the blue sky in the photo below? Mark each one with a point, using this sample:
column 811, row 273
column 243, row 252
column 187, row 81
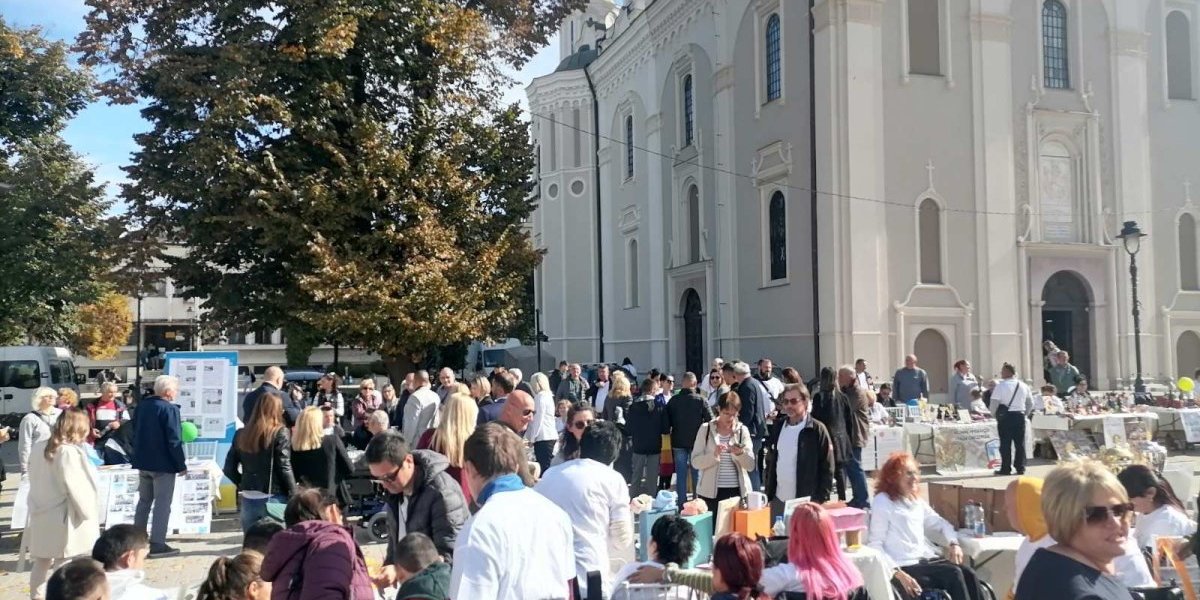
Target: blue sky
column 103, row 134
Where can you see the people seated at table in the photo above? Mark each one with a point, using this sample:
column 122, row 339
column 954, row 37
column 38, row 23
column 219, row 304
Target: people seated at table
column 875, row 409
column 815, row 565
column 1049, row 402
column 900, row 522
column 1088, row 512
column 1078, row 396
column 672, row 542
column 979, row 408
column 1160, row 512
column 1023, row 501
column 884, row 396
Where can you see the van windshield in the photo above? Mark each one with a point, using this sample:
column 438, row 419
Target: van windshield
column 21, row 374
column 62, row 372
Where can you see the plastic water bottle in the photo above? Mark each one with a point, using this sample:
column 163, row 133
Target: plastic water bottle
column 969, row 516
column 980, row 521
column 779, row 529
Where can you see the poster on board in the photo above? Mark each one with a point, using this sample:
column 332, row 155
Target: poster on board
column 208, row 395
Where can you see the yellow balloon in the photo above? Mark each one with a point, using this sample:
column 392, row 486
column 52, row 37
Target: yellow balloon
column 1186, row 384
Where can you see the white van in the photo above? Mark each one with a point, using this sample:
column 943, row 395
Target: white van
column 23, row 369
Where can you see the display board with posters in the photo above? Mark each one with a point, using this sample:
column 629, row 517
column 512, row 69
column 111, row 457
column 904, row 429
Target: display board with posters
column 208, row 395
column 963, row 449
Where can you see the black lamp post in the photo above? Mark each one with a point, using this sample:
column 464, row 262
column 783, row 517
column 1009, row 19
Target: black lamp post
column 1131, row 237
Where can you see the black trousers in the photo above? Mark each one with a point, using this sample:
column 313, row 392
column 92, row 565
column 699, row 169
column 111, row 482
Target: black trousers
column 1012, row 433
column 543, row 452
column 957, row 580
column 839, row 481
column 722, row 494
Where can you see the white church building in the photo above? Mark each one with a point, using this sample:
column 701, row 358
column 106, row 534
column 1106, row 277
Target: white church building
column 821, row 180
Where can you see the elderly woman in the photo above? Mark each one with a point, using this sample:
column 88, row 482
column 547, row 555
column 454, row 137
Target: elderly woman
column 63, row 510
column 900, row 522
column 1088, row 512
column 37, row 424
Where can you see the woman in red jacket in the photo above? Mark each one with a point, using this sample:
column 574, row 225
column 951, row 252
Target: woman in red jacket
column 314, row 555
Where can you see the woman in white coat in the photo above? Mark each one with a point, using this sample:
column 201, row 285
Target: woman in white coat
column 64, row 518
column 36, row 425
column 724, row 454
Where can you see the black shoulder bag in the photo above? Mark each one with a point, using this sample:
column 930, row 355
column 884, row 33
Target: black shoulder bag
column 1002, row 410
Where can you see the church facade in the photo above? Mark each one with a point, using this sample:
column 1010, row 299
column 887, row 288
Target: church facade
column 819, row 181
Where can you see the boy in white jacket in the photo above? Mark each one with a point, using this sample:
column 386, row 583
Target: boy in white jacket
column 122, row 549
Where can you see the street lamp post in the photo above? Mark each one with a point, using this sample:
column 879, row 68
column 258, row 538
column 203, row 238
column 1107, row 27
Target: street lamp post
column 137, row 351
column 1131, row 236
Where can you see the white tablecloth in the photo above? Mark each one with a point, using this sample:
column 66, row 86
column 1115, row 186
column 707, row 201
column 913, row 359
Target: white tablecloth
column 876, row 578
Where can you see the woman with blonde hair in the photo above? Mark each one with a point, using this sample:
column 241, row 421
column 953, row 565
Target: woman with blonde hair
column 260, row 460
column 63, row 508
column 320, row 459
column 481, row 390
column 542, row 431
column 67, row 398
column 457, row 423
column 36, row 425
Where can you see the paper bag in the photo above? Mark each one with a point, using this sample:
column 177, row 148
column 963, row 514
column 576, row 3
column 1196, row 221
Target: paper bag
column 753, row 523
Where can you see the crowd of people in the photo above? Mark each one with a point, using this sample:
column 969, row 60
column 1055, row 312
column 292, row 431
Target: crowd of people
column 503, row 487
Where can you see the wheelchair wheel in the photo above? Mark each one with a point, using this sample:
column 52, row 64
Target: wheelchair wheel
column 988, row 592
column 377, row 526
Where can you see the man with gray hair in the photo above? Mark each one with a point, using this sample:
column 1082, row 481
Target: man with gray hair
column 573, row 386
column 421, row 410
column 754, row 398
column 445, row 383
column 519, row 382
column 158, row 457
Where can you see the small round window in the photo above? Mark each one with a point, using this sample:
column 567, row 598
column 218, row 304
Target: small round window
column 552, row 191
column 577, row 187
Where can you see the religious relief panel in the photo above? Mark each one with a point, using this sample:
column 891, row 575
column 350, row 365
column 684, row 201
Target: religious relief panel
column 1056, row 178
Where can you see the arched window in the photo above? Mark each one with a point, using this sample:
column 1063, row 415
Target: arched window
column 930, row 241
column 689, row 112
column 1054, row 45
column 777, row 236
column 693, row 215
column 924, row 37
column 774, row 67
column 631, row 274
column 1179, row 57
column 576, row 148
column 629, row 147
column 1189, row 275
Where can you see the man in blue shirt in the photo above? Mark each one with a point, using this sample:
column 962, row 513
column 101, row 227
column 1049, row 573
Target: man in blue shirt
column 910, row 382
column 158, row 456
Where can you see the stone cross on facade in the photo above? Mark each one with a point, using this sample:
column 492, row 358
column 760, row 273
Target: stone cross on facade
column 930, row 168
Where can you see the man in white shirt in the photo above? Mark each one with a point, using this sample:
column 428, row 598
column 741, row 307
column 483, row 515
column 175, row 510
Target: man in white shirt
column 421, row 409
column 1011, row 400
column 766, row 374
column 122, row 549
column 519, row 544
column 865, row 381
column 598, row 392
column 596, row 499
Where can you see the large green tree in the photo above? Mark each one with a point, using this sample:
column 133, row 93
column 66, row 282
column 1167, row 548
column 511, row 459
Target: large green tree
column 344, row 167
column 55, row 240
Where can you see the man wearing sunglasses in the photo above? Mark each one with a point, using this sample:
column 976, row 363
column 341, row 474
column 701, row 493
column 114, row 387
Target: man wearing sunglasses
column 421, row 497
column 519, row 409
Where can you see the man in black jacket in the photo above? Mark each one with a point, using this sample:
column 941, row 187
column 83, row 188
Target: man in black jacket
column 800, row 459
column 272, row 382
column 686, row 412
column 859, row 427
column 645, row 423
column 419, row 489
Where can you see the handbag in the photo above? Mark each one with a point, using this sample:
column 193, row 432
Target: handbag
column 1002, row 410
column 275, row 508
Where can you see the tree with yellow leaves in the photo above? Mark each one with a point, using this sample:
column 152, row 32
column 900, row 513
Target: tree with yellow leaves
column 103, row 327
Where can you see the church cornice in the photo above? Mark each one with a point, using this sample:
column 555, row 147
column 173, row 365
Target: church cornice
column 657, row 27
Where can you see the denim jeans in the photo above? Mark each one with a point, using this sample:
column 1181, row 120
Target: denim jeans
column 683, row 463
column 858, row 480
column 254, row 509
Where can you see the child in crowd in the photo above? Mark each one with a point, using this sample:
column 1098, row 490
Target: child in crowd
column 259, row 535
column 236, row 578
column 420, row 570
column 1049, row 402
column 80, row 579
column 122, row 549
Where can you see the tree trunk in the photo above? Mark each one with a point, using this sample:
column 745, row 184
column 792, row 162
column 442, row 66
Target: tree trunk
column 397, row 368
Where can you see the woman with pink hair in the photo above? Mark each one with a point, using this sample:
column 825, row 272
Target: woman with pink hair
column 816, row 565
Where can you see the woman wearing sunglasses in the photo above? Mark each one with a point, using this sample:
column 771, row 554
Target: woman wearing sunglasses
column 1088, row 512
column 580, row 415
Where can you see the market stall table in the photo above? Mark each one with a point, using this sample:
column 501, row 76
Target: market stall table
column 982, row 550
column 956, row 448
column 1181, row 425
column 1100, row 429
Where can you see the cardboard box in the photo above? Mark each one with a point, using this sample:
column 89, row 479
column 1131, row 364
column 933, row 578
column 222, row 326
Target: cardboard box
column 993, row 507
column 753, row 524
column 645, row 522
column 703, row 523
column 944, row 499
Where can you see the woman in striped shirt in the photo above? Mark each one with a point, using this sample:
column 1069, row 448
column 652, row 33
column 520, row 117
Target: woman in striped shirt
column 724, row 454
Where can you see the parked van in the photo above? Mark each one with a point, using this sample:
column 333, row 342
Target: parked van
column 23, row 369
